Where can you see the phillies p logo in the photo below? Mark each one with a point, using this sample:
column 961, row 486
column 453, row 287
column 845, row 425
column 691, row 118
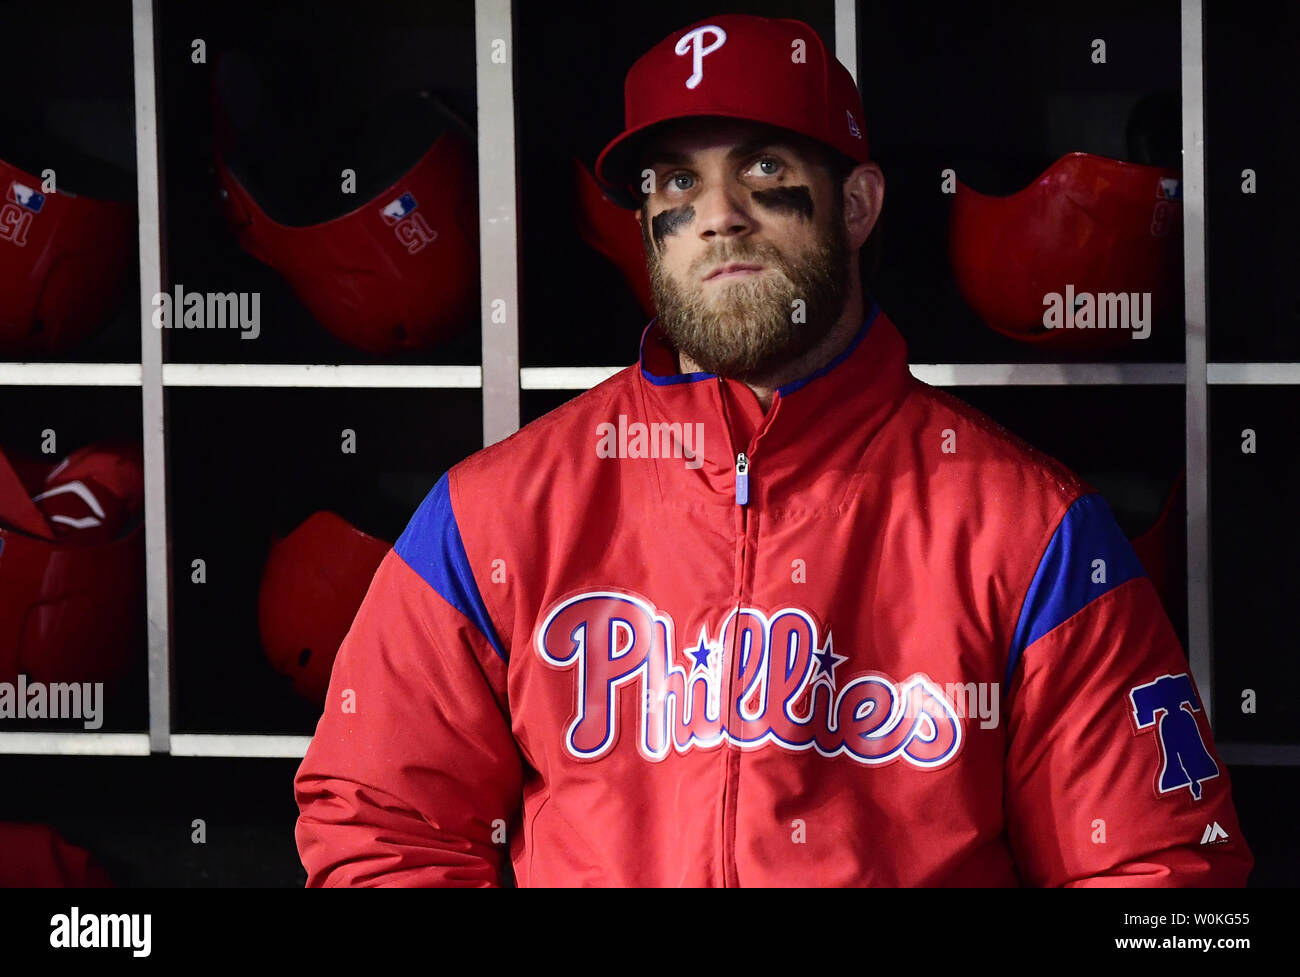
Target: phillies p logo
column 694, row 41
column 1169, row 704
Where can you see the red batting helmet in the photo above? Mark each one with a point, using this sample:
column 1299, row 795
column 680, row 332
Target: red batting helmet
column 64, row 264
column 72, row 565
column 614, row 232
column 35, row 856
column 1088, row 224
column 400, row 271
column 737, row 66
column 314, row 581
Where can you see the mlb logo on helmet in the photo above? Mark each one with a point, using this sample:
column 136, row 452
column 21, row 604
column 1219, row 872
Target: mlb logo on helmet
column 25, row 196
column 772, row 71
column 408, row 227
column 397, row 209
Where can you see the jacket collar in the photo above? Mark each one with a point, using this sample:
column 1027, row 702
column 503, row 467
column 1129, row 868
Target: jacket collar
column 845, row 400
column 659, row 359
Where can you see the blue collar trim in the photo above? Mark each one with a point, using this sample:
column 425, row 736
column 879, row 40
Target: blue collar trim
column 872, row 311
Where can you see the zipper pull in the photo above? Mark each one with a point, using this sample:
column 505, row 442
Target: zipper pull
column 742, row 479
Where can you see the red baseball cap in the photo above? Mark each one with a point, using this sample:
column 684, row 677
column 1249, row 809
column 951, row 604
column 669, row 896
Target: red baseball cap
column 738, row 66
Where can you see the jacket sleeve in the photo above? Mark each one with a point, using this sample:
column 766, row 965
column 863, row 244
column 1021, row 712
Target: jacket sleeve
column 1112, row 777
column 413, row 777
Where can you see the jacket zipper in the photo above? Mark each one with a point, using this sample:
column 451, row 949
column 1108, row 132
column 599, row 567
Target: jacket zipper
column 742, row 479
column 728, row 665
column 744, row 462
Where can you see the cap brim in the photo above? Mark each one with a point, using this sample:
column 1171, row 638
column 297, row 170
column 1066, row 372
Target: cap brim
column 615, row 168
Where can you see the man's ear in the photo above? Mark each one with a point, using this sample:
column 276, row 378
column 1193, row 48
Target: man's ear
column 864, row 195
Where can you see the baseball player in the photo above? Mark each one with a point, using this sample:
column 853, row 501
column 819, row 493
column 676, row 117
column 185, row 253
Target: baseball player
column 762, row 609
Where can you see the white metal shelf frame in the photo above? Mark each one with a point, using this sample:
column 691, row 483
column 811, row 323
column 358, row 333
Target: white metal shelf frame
column 936, row 374
column 321, row 375
column 578, row 378
column 1200, row 651
column 74, row 743
column 500, row 377
column 157, row 530
column 261, row 745
column 70, row 375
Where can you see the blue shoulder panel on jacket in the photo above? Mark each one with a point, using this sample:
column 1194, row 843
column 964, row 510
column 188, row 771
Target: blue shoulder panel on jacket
column 432, row 547
column 1064, row 583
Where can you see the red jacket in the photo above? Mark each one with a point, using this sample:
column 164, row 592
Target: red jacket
column 903, row 649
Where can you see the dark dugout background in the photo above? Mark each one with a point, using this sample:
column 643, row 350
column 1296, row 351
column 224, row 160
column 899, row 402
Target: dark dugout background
column 984, row 87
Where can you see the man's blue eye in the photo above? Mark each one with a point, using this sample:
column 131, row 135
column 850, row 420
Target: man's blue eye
column 769, row 162
column 677, row 178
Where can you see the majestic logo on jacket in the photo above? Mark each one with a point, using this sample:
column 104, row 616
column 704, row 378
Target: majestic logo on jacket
column 781, row 689
column 1169, row 705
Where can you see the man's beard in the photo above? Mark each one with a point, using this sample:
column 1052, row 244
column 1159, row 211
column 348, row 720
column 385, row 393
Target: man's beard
column 752, row 325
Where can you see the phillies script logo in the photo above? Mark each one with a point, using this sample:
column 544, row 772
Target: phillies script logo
column 781, row 688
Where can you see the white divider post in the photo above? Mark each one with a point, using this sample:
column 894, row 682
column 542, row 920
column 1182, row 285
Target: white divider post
column 846, row 35
column 1200, row 650
column 153, row 406
column 498, row 217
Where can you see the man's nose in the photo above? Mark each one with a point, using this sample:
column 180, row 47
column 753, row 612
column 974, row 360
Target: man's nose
column 722, row 212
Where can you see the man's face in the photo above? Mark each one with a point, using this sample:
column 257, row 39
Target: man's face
column 740, row 194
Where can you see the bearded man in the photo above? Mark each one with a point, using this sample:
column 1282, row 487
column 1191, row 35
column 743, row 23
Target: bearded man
column 847, row 632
